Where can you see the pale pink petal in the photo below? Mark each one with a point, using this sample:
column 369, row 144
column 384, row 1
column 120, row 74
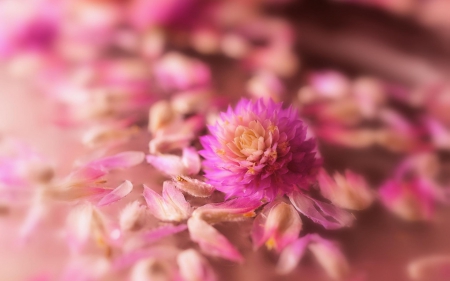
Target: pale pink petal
column 34, row 216
column 175, row 198
column 171, row 206
column 211, row 242
column 165, row 143
column 161, row 232
column 440, row 135
column 121, row 160
column 131, row 257
column 292, row 254
column 330, row 257
column 167, row 163
column 153, row 268
column 434, row 267
column 349, row 191
column 85, row 268
column 156, row 204
column 133, row 216
column 78, row 226
column 277, row 225
column 232, row 210
column 191, row 161
column 118, row 193
column 320, row 211
column 193, row 187
column 193, row 267
column 83, row 175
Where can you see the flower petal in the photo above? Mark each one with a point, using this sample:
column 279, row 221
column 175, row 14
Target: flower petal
column 193, row 187
column 232, row 210
column 121, row 160
column 132, row 217
column 171, row 165
column 211, row 242
column 161, row 232
column 191, row 161
column 193, row 267
column 435, row 267
column 118, row 193
column 292, row 254
column 319, row 211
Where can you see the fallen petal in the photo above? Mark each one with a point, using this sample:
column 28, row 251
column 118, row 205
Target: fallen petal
column 171, row 165
column 121, row 160
column 193, row 187
column 435, row 267
column 232, row 210
column 118, row 193
column 191, row 161
column 211, row 242
column 193, row 267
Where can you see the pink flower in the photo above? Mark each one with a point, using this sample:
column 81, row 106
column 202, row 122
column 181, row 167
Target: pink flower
column 258, row 149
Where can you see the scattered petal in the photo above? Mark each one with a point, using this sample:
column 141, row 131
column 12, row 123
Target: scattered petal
column 193, row 267
column 435, row 267
column 132, row 217
column 118, row 193
column 232, row 210
column 193, row 187
column 211, row 242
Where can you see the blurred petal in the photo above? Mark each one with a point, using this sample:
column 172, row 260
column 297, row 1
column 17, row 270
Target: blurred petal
column 211, row 242
column 161, row 232
column 435, row 267
column 292, row 254
column 193, row 267
column 193, row 187
column 349, row 191
column 277, row 225
column 118, row 193
column 132, row 217
column 171, row 165
column 191, row 161
column 330, row 258
column 121, row 160
column 321, row 212
column 232, row 210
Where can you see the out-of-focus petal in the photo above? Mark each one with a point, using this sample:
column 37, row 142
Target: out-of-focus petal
column 292, row 254
column 435, row 268
column 349, row 191
column 171, row 165
column 85, row 268
column 322, row 213
column 326, row 252
column 211, row 242
column 232, row 210
column 78, row 226
column 153, row 269
column 277, row 225
column 411, row 200
column 193, row 187
column 191, row 161
column 193, row 267
column 161, row 232
column 121, row 160
column 171, row 206
column 132, row 217
column 115, row 195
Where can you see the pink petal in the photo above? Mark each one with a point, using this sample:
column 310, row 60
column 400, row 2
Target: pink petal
column 83, row 175
column 121, row 160
column 165, row 143
column 193, row 187
column 232, row 210
column 277, row 225
column 168, row 164
column 161, row 232
column 193, row 267
column 175, row 197
column 156, row 204
column 191, row 161
column 319, row 211
column 118, row 193
column 78, row 226
column 349, row 191
column 133, row 216
column 435, row 267
column 211, row 242
column 292, row 254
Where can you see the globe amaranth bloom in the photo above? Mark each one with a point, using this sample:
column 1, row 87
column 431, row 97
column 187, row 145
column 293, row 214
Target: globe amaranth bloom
column 259, row 149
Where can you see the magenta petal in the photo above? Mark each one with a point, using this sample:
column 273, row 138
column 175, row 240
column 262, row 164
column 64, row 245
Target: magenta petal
column 118, row 193
column 211, row 242
column 191, row 161
column 319, row 211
